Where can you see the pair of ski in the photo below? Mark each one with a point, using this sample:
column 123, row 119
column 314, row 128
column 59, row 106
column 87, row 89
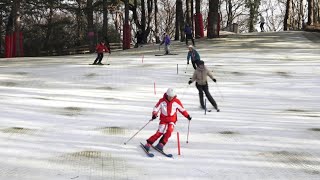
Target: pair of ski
column 154, row 147
column 99, row 64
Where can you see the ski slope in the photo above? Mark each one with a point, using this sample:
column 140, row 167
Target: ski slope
column 64, row 119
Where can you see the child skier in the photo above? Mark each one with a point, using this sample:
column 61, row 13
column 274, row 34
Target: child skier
column 194, row 55
column 168, row 107
column 200, row 76
column 100, row 48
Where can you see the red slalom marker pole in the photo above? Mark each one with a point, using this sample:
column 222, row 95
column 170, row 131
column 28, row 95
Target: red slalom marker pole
column 178, row 140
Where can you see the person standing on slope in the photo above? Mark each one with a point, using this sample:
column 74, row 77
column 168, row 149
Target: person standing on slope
column 100, row 48
column 166, row 41
column 189, row 34
column 200, row 76
column 194, row 55
column 262, row 23
column 168, row 106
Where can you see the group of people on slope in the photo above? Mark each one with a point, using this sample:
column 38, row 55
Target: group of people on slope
column 169, row 104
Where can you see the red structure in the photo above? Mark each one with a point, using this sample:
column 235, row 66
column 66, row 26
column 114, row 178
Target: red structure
column 126, row 36
column 199, row 25
column 14, row 45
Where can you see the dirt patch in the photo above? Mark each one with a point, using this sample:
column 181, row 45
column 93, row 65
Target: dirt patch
column 228, row 133
column 237, row 73
column 105, row 88
column 41, row 98
column 17, row 130
column 112, row 130
column 91, row 75
column 295, row 110
column 72, row 111
column 92, row 163
column 314, row 129
column 8, row 84
column 304, row 113
column 283, row 74
column 296, row 160
column 21, row 73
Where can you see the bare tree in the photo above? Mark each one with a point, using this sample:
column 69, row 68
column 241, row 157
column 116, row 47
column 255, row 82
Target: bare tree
column 178, row 22
column 213, row 19
column 310, row 12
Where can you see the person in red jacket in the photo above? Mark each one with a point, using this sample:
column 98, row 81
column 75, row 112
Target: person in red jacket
column 168, row 106
column 100, row 48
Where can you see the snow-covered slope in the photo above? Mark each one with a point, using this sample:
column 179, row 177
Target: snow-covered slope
column 64, row 119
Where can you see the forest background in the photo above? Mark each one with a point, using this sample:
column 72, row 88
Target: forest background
column 54, row 27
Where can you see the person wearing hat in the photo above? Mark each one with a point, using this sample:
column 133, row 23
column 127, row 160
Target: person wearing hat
column 100, row 48
column 200, row 76
column 168, row 106
column 194, row 55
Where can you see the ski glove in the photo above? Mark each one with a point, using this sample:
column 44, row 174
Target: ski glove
column 154, row 117
column 214, row 80
column 189, row 82
column 189, row 118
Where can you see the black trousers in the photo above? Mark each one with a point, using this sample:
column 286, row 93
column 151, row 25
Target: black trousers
column 99, row 58
column 195, row 63
column 205, row 89
column 261, row 27
column 189, row 36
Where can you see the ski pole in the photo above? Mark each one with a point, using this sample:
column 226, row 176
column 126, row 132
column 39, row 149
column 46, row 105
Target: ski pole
column 188, row 131
column 219, row 91
column 186, row 68
column 138, row 131
column 107, row 59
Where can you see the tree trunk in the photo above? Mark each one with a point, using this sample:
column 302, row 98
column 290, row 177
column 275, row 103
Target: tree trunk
column 143, row 20
column 79, row 23
column 181, row 23
column 49, row 25
column 156, row 23
column 212, row 30
column 197, row 23
column 301, row 15
column 177, row 24
column 149, row 10
column 192, row 15
column 188, row 12
column 229, row 11
column 286, row 25
column 1, row 20
column 105, row 20
column 90, row 27
column 126, row 27
column 310, row 12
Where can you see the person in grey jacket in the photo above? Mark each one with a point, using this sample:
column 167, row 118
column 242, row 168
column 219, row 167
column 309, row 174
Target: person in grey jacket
column 200, row 76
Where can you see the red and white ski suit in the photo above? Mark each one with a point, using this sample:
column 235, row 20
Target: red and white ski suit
column 168, row 118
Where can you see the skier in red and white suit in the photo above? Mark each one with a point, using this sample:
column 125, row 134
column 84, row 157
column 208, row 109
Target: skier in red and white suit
column 168, row 107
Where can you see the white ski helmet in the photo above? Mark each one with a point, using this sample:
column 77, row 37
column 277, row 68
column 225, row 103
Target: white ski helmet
column 171, row 92
column 190, row 46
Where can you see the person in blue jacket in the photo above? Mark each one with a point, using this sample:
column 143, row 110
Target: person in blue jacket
column 194, row 55
column 166, row 41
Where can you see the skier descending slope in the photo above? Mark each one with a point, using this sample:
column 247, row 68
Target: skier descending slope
column 168, row 107
column 200, row 76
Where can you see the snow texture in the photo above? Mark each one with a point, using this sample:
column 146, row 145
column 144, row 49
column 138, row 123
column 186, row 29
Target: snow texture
column 64, row 119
